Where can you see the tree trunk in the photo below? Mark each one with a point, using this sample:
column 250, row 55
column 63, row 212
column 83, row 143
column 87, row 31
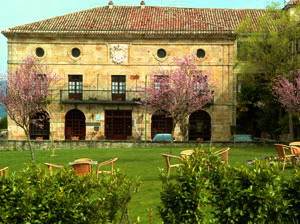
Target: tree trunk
column 291, row 127
column 184, row 126
column 30, row 146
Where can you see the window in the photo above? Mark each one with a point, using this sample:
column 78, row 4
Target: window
column 118, row 87
column 40, row 125
column 200, row 84
column 39, row 52
column 161, row 81
column 75, row 52
column 75, row 87
column 42, row 80
column 200, row 53
column 161, row 53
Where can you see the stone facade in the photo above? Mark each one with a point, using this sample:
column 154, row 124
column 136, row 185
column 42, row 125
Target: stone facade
column 96, row 65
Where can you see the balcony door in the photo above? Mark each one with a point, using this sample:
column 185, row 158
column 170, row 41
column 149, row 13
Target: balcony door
column 118, row 87
column 75, row 87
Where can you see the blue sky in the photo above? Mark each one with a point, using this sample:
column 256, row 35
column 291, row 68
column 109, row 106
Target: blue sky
column 19, row 12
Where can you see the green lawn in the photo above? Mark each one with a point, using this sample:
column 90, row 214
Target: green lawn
column 136, row 162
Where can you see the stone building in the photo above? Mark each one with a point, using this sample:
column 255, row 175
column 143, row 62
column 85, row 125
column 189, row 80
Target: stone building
column 102, row 54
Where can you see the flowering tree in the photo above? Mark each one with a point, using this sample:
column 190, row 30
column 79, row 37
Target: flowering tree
column 179, row 92
column 288, row 93
column 24, row 94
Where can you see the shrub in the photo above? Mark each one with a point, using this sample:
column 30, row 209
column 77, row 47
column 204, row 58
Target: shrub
column 205, row 190
column 33, row 196
column 186, row 197
column 247, row 195
column 291, row 194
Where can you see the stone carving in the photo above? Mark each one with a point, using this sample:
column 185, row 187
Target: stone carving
column 119, row 53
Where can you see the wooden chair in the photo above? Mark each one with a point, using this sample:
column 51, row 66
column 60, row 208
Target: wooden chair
column 3, row 171
column 82, row 168
column 168, row 162
column 110, row 162
column 51, row 166
column 223, row 153
column 282, row 156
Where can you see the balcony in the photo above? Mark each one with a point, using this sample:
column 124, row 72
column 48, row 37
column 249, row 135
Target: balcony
column 99, row 97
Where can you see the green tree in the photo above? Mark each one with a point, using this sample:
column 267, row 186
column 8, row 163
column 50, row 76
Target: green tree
column 3, row 123
column 268, row 48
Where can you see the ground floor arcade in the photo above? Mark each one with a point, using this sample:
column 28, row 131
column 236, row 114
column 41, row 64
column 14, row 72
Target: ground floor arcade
column 121, row 122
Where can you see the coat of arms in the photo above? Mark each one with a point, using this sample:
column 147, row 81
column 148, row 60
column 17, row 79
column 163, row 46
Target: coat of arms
column 118, row 53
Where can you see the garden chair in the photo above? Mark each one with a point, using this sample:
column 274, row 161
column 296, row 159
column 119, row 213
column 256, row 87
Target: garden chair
column 169, row 164
column 82, row 168
column 51, row 166
column 223, row 153
column 282, row 156
column 3, row 171
column 110, row 162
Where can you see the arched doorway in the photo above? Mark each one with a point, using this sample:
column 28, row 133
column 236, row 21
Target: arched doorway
column 39, row 127
column 161, row 123
column 200, row 126
column 75, row 124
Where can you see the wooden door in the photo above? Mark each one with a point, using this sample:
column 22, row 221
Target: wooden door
column 75, row 124
column 160, row 123
column 118, row 124
column 199, row 126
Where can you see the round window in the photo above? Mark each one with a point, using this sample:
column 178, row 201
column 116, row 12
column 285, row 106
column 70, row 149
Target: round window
column 75, row 52
column 200, row 53
column 39, row 52
column 161, row 53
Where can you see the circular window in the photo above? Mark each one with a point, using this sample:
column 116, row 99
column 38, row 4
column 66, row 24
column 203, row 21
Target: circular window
column 39, row 52
column 200, row 53
column 75, row 52
column 161, row 53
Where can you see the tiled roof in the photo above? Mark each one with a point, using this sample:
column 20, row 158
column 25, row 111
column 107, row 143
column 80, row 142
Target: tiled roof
column 138, row 20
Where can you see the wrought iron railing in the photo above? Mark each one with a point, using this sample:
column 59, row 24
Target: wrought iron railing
column 99, row 96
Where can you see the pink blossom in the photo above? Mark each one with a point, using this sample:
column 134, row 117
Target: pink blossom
column 288, row 93
column 179, row 91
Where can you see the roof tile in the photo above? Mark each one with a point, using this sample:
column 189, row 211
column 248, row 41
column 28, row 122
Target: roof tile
column 142, row 20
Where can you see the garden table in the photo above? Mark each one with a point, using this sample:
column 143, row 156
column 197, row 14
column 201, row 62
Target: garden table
column 187, row 153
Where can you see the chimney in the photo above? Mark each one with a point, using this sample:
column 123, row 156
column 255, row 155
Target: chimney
column 142, row 4
column 110, row 4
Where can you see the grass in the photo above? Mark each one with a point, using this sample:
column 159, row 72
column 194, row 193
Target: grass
column 135, row 162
